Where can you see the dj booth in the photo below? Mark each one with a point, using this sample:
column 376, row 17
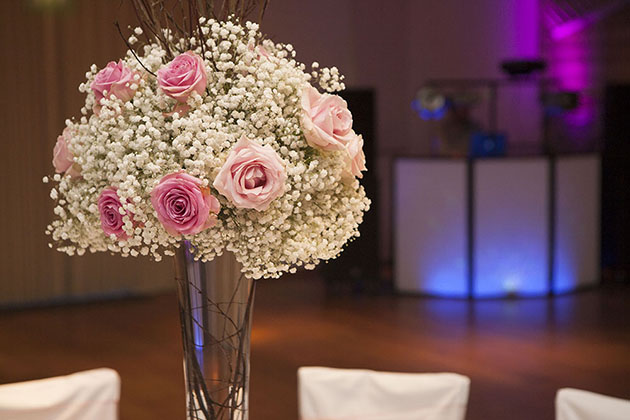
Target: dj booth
column 493, row 227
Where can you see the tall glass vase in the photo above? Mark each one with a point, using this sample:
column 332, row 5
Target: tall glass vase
column 215, row 304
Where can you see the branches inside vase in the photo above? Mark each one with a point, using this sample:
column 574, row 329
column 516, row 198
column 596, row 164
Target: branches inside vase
column 215, row 314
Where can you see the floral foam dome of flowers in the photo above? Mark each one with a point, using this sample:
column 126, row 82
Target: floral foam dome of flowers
column 211, row 141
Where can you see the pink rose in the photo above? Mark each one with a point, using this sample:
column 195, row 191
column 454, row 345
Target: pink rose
column 183, row 205
column 355, row 158
column 115, row 79
column 252, row 175
column 63, row 160
column 326, row 121
column 183, row 76
column 109, row 207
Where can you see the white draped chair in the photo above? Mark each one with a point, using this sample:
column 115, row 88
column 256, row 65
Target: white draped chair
column 575, row 404
column 88, row 395
column 352, row 394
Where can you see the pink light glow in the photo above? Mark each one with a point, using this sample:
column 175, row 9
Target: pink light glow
column 568, row 28
column 569, row 53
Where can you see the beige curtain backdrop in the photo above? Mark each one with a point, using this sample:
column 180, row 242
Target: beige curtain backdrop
column 46, row 51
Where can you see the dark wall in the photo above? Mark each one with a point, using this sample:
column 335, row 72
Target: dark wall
column 357, row 268
column 616, row 183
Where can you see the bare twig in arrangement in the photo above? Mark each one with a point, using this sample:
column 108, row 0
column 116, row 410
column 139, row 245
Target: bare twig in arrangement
column 168, row 21
column 263, row 8
column 241, row 363
column 195, row 382
column 216, row 317
column 132, row 50
column 173, row 23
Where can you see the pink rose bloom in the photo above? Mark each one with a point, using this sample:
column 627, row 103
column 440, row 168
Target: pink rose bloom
column 355, row 158
column 63, row 160
column 109, row 207
column 252, row 175
column 183, row 76
column 115, row 79
column 183, row 205
column 326, row 121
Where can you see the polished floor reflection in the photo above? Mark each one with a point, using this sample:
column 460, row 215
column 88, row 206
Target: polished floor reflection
column 517, row 353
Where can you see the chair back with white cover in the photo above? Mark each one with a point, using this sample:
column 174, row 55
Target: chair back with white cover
column 88, row 395
column 575, row 404
column 353, row 394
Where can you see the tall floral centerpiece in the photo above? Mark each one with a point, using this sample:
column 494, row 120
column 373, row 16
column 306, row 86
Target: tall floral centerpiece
column 207, row 140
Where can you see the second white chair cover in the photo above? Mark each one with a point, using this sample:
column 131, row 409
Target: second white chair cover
column 575, row 404
column 352, row 394
column 89, row 395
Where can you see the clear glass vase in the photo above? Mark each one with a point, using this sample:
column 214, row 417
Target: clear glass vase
column 215, row 303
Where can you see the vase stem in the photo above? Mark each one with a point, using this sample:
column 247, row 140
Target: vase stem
column 215, row 303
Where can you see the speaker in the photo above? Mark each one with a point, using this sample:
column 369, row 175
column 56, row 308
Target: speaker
column 357, row 269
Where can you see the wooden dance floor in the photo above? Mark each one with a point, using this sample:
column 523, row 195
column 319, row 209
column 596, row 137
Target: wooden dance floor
column 517, row 353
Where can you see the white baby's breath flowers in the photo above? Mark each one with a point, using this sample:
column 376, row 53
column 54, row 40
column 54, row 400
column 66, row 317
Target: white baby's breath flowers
column 254, row 90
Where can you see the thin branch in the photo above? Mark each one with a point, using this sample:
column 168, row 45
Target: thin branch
column 132, row 50
column 263, row 8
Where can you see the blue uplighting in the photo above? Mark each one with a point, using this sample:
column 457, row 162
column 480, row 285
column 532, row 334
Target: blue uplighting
column 512, row 205
column 429, row 114
column 447, row 279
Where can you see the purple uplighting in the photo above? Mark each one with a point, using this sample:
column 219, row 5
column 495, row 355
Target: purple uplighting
column 567, row 29
column 582, row 21
column 569, row 51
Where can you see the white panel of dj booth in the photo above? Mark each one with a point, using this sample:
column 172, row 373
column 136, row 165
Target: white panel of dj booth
column 511, row 202
column 577, row 222
column 430, row 226
column 511, row 227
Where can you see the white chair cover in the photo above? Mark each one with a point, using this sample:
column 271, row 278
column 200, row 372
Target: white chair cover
column 89, row 395
column 575, row 404
column 349, row 394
